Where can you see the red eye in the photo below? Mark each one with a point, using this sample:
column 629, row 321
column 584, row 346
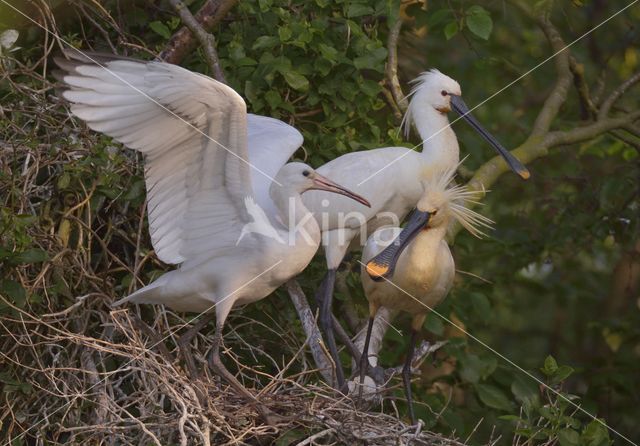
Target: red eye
column 444, row 92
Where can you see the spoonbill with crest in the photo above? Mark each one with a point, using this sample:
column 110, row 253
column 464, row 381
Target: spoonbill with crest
column 390, row 177
column 201, row 149
column 411, row 269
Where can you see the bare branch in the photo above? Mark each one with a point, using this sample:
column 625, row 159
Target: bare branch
column 587, row 107
column 630, row 128
column 392, row 66
column 422, row 352
column 616, row 94
column 629, row 140
column 535, row 148
column 206, row 39
column 558, row 95
column 307, row 318
column 581, row 134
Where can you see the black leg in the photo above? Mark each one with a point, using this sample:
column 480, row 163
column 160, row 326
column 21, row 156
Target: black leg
column 364, row 357
column 406, row 374
column 184, row 343
column 325, row 301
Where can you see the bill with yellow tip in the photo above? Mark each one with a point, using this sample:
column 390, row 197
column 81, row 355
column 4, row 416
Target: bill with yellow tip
column 461, row 108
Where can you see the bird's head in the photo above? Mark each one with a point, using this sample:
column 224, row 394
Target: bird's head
column 441, row 201
column 435, row 89
column 301, row 177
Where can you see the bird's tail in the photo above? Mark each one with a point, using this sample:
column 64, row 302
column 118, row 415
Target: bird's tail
column 151, row 294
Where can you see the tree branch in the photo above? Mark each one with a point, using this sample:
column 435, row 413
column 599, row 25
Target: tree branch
column 629, row 140
column 581, row 134
column 310, row 327
column 558, row 95
column 587, row 107
column 616, row 94
column 206, row 39
column 535, row 148
column 184, row 41
column 392, row 67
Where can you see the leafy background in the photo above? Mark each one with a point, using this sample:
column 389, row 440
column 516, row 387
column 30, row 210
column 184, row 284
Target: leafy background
column 555, row 288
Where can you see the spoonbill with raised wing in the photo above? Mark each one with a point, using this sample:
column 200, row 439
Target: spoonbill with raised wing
column 193, row 132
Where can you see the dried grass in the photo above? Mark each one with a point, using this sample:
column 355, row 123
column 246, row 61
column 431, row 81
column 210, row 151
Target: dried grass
column 78, row 396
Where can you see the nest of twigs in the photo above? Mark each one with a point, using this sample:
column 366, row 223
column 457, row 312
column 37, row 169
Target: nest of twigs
column 78, row 396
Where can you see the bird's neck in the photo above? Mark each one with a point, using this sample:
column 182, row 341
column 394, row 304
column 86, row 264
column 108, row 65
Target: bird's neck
column 426, row 244
column 293, row 213
column 439, row 142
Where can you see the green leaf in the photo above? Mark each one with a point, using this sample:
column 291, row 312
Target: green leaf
column 493, row 397
column 451, row 29
column 292, row 436
column 563, row 372
column 595, row 434
column 265, row 5
column 479, row 22
column 481, row 306
column 524, row 389
column 14, row 290
column 550, row 366
column 473, row 367
column 438, row 17
column 273, row 98
column 434, row 324
column 371, row 60
column 32, row 255
column 296, row 81
column 135, row 191
column 161, row 29
column 328, row 52
column 265, row 42
column 568, row 437
column 515, row 418
column 64, row 181
column 285, row 33
column 369, row 87
column 358, row 10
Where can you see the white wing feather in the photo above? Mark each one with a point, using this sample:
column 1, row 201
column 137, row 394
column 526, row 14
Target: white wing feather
column 271, row 144
column 193, row 133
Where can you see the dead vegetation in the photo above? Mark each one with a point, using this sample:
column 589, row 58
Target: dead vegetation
column 121, row 388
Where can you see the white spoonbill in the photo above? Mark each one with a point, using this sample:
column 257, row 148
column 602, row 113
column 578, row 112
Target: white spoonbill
column 193, row 133
column 390, row 177
column 412, row 269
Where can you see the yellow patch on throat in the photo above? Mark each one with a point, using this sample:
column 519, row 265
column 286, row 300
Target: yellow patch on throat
column 376, row 270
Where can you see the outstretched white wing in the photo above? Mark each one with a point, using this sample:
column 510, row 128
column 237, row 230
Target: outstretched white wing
column 271, row 144
column 193, row 133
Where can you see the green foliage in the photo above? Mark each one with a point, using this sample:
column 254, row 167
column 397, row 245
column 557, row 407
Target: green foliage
column 451, row 21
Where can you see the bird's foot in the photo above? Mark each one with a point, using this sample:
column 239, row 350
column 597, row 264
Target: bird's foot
column 378, row 375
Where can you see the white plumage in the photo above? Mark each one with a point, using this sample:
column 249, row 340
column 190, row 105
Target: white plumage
column 391, row 177
column 412, row 269
column 202, row 154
